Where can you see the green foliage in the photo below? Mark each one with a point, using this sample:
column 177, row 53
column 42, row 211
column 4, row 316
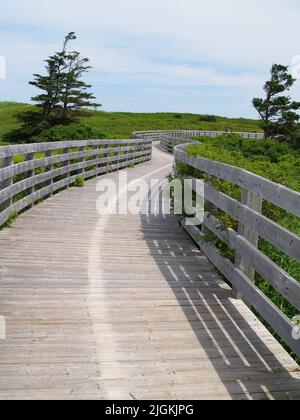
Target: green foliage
column 64, row 94
column 8, row 119
column 79, row 182
column 12, row 217
column 69, row 132
column 208, row 118
column 277, row 111
column 276, row 161
column 64, row 98
column 120, row 125
column 273, row 160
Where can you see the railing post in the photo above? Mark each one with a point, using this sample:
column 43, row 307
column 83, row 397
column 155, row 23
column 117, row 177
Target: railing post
column 6, row 162
column 255, row 202
column 67, row 163
column 81, row 160
column 117, row 155
column 96, row 157
column 106, row 154
column 29, row 174
column 49, row 168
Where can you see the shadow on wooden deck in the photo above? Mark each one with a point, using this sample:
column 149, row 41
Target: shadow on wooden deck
column 248, row 361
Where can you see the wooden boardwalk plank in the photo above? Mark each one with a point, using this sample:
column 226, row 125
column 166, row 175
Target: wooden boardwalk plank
column 125, row 306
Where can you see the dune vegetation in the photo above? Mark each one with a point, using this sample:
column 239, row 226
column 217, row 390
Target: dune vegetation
column 121, row 124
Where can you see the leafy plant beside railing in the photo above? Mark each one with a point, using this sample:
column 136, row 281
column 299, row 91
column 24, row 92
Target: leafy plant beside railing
column 277, row 162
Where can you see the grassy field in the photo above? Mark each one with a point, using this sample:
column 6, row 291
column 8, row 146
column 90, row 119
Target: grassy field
column 121, row 124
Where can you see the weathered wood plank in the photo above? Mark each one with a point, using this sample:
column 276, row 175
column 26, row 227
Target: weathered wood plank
column 55, row 186
column 254, row 202
column 95, row 303
column 18, row 169
column 271, row 272
column 268, row 310
column 277, row 235
column 10, row 151
column 33, row 180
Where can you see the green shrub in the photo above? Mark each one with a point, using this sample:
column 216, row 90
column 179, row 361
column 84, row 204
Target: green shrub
column 208, row 118
column 79, row 182
column 69, row 132
column 271, row 159
column 120, row 125
column 12, row 217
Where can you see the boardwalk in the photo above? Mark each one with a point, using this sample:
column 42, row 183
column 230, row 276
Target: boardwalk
column 125, row 307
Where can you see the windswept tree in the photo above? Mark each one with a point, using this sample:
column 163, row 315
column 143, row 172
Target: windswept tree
column 64, row 94
column 278, row 112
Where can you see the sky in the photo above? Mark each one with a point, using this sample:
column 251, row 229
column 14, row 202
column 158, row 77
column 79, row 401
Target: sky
column 206, row 57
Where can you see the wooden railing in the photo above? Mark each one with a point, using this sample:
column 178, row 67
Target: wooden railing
column 168, row 143
column 188, row 134
column 253, row 225
column 168, row 140
column 29, row 173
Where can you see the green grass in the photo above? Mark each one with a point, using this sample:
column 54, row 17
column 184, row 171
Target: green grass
column 122, row 124
column 276, row 161
column 8, row 120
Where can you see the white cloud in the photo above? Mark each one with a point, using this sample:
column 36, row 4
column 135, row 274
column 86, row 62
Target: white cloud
column 248, row 32
column 220, row 43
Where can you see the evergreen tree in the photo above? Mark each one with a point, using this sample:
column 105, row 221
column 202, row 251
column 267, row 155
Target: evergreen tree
column 65, row 95
column 277, row 111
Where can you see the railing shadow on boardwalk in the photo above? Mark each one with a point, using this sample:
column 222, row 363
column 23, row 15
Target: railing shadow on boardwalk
column 243, row 362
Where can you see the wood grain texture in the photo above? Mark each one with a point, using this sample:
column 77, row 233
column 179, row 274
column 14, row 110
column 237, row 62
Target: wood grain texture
column 252, row 225
column 36, row 178
column 125, row 306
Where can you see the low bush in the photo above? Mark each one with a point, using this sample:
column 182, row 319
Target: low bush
column 69, row 132
column 79, row 182
column 208, row 118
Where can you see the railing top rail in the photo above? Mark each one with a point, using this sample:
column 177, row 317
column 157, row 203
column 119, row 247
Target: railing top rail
column 10, row 151
column 39, row 175
column 199, row 132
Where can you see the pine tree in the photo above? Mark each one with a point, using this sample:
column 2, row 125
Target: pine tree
column 65, row 95
column 277, row 111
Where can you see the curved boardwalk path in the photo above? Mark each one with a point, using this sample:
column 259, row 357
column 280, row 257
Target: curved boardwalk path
column 125, row 307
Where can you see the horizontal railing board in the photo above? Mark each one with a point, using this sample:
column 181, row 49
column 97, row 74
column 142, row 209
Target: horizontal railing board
column 46, row 191
column 115, row 154
column 24, row 184
column 271, row 272
column 277, row 235
column 194, row 133
column 246, row 215
column 8, row 151
column 168, row 143
column 254, row 296
column 18, row 169
column 277, row 194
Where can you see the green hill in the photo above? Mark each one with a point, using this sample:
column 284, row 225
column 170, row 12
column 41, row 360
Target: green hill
column 121, row 124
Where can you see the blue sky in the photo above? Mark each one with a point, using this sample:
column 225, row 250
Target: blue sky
column 156, row 55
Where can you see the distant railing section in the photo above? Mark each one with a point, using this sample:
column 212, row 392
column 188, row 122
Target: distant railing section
column 253, row 225
column 29, row 173
column 168, row 140
column 168, row 143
